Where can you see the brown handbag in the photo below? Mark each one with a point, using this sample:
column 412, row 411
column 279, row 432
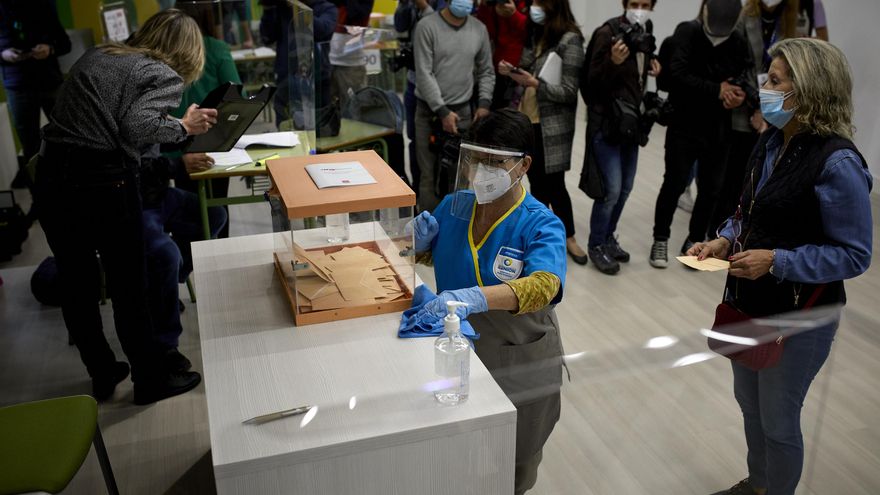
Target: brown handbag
column 753, row 357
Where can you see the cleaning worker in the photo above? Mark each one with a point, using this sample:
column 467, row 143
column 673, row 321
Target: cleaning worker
column 498, row 249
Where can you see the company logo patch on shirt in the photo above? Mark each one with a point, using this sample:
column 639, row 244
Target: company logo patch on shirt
column 508, row 264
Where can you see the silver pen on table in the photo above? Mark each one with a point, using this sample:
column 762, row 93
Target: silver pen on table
column 277, row 415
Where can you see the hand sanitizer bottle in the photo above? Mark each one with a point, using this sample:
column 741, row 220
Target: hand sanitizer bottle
column 452, row 359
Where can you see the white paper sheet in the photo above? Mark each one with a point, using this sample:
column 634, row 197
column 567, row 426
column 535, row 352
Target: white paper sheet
column 262, row 51
column 275, row 139
column 339, row 174
column 551, row 72
column 234, row 156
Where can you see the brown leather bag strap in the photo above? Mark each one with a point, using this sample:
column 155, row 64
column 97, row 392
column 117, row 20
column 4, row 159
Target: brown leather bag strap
column 814, row 297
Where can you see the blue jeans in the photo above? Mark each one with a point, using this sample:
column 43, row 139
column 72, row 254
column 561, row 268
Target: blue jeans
column 169, row 260
column 618, row 166
column 771, row 402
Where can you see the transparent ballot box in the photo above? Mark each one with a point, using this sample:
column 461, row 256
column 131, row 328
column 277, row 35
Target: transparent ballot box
column 349, row 252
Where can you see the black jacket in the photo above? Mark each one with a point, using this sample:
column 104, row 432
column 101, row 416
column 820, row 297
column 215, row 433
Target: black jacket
column 608, row 80
column 696, row 71
column 23, row 25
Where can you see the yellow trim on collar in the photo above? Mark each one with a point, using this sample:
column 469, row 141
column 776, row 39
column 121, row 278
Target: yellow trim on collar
column 475, row 248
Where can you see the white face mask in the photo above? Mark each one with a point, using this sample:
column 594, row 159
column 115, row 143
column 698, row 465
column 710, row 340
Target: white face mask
column 638, row 16
column 490, row 183
column 771, row 3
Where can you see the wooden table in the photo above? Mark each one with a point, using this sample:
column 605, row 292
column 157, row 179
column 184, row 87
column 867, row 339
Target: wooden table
column 206, row 198
column 376, row 430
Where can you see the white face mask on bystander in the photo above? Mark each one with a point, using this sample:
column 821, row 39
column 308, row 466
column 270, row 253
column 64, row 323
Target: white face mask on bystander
column 638, row 16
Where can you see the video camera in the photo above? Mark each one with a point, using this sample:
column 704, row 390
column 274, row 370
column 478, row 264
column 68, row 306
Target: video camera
column 656, row 109
column 637, row 39
column 743, row 82
column 404, row 58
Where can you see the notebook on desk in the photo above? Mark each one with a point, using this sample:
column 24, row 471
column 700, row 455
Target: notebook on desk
column 235, row 114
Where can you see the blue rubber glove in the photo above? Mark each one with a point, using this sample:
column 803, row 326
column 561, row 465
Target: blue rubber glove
column 473, row 296
column 425, row 228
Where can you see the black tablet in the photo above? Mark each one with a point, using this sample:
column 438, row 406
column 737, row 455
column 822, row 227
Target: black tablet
column 235, row 114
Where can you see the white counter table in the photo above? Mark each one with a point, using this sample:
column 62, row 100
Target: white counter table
column 376, row 431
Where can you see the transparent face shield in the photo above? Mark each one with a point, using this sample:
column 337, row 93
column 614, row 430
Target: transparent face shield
column 485, row 174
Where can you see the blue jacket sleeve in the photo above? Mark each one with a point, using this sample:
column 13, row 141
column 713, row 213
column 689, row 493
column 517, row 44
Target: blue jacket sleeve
column 324, row 21
column 843, row 190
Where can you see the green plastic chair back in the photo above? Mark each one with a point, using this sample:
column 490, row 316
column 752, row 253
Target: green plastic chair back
column 44, row 443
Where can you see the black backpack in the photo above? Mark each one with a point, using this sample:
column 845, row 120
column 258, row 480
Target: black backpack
column 45, row 284
column 375, row 106
column 14, row 226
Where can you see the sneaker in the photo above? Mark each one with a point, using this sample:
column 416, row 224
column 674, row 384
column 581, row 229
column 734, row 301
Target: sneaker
column 163, row 387
column 686, row 200
column 659, row 259
column 103, row 386
column 612, row 247
column 175, row 362
column 741, row 488
column 603, row 261
column 688, row 244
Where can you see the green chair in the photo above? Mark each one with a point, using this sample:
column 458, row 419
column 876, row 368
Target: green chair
column 44, row 443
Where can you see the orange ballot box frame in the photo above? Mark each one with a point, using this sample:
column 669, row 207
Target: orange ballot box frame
column 368, row 273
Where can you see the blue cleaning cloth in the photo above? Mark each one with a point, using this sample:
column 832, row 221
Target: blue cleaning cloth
column 418, row 323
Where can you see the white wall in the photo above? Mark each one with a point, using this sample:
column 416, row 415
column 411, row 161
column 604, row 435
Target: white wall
column 852, row 24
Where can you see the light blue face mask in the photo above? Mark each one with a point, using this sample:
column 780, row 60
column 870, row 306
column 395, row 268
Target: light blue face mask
column 537, row 14
column 461, row 8
column 771, row 107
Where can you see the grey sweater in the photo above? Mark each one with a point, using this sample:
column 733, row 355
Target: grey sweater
column 447, row 60
column 117, row 102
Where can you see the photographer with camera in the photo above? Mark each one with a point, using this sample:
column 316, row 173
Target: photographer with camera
column 620, row 59
column 506, row 22
column 707, row 71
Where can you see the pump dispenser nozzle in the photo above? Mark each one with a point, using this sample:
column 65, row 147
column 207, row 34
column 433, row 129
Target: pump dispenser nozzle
column 450, row 309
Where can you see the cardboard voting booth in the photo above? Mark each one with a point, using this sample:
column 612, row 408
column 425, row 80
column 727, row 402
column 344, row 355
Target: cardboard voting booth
column 349, row 252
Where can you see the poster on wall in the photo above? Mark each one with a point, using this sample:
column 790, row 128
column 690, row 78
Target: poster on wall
column 115, row 20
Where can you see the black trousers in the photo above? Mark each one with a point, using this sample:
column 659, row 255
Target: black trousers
column 84, row 213
column 682, row 150
column 550, row 188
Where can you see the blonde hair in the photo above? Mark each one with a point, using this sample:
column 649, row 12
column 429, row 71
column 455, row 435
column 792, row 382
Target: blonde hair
column 788, row 26
column 822, row 84
column 171, row 37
